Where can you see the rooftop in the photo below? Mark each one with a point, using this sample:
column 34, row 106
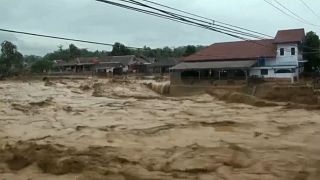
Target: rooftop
column 247, row 50
column 238, row 50
column 291, row 35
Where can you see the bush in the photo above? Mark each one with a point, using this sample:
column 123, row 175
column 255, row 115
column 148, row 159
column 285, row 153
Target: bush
column 41, row 66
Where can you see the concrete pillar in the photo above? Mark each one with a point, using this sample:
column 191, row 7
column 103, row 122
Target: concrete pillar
column 246, row 73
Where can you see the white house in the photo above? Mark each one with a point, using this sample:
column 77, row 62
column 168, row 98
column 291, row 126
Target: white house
column 288, row 60
column 276, row 58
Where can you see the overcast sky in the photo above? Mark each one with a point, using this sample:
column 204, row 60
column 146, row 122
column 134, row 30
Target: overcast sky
column 91, row 20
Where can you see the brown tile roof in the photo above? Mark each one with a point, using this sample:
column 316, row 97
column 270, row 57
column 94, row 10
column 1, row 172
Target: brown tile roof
column 291, row 35
column 240, row 50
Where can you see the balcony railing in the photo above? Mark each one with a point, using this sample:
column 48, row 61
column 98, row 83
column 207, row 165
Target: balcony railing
column 285, row 63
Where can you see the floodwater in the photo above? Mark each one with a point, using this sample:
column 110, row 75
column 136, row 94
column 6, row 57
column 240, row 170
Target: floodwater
column 100, row 129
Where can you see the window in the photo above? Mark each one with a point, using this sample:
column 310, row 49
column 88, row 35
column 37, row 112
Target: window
column 293, row 51
column 283, row 71
column 264, row 71
column 262, row 62
column 281, row 51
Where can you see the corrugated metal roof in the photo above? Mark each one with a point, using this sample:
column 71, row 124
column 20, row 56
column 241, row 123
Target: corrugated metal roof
column 159, row 62
column 214, row 65
column 125, row 60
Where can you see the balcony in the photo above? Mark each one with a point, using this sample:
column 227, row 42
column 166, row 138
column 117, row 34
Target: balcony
column 284, row 63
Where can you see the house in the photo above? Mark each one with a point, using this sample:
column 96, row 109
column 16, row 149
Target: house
column 130, row 63
column 109, row 68
column 162, row 65
column 278, row 58
column 76, row 65
column 116, row 65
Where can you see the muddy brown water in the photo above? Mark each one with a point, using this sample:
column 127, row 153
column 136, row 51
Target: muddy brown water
column 97, row 129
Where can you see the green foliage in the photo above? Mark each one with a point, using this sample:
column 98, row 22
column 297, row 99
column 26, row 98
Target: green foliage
column 86, row 53
column 74, row 51
column 311, row 52
column 41, row 66
column 61, row 54
column 30, row 59
column 168, row 52
column 120, row 50
column 11, row 61
column 190, row 50
column 71, row 53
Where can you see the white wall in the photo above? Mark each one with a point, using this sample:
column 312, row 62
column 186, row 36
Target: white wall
column 287, row 59
column 272, row 74
column 257, row 72
column 125, row 69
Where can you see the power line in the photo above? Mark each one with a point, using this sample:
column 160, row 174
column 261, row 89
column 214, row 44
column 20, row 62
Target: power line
column 135, row 2
column 293, row 16
column 212, row 20
column 61, row 38
column 282, row 11
column 175, row 17
column 293, row 13
column 219, row 27
column 178, row 17
column 197, row 24
column 185, row 20
column 308, row 7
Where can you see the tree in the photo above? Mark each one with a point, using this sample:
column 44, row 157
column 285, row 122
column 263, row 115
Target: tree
column 74, row 51
column 11, row 61
column 120, row 50
column 41, row 66
column 311, row 52
column 30, row 59
column 189, row 50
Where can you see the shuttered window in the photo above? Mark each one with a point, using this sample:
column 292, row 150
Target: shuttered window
column 293, row 51
column 281, row 51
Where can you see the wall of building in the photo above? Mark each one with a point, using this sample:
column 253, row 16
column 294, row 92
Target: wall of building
column 287, row 59
column 272, row 73
column 175, row 77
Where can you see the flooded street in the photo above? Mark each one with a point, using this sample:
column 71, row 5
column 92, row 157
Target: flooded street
column 99, row 129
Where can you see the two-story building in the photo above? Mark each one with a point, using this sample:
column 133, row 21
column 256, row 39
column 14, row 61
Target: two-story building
column 288, row 59
column 280, row 57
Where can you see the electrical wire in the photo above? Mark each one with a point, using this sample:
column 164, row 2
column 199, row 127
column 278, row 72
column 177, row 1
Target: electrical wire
column 293, row 13
column 308, row 7
column 287, row 14
column 212, row 20
column 211, row 23
column 175, row 17
column 60, row 38
column 193, row 23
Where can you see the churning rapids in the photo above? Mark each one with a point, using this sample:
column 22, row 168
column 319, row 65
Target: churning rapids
column 100, row 129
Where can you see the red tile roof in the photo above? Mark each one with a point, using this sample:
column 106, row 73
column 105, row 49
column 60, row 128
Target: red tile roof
column 292, row 35
column 240, row 50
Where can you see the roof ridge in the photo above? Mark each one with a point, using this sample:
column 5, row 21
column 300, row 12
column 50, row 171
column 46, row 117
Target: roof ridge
column 291, row 29
column 243, row 41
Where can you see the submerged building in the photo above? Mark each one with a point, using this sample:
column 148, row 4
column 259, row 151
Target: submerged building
column 114, row 65
column 278, row 58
